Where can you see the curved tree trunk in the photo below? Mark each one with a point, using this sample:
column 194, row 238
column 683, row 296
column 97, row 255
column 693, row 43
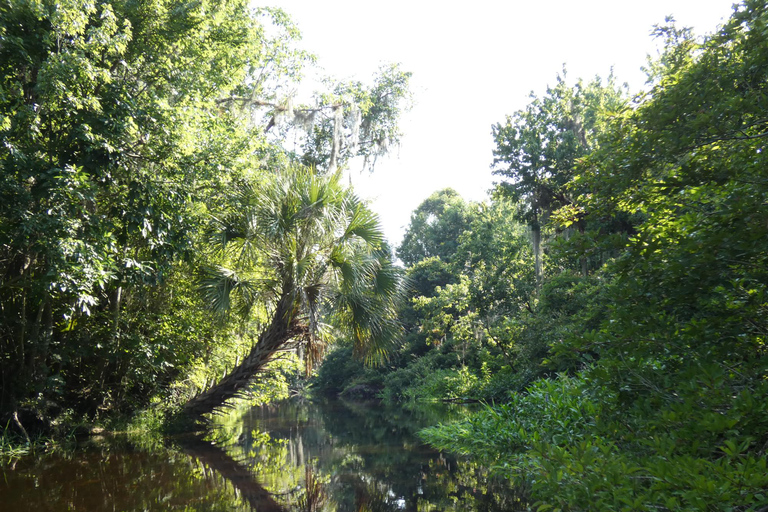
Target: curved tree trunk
column 281, row 329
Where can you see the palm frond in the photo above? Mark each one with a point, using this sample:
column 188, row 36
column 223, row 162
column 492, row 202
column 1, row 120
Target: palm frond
column 390, row 280
column 216, row 285
column 368, row 306
column 222, row 230
column 364, row 224
column 221, row 287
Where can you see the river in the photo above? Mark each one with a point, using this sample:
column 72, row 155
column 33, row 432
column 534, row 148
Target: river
column 294, row 456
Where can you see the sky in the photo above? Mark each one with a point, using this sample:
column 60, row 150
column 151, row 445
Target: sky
column 473, row 63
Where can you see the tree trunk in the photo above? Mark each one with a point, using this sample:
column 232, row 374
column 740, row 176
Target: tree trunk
column 583, row 258
column 281, row 329
column 536, row 242
column 535, row 225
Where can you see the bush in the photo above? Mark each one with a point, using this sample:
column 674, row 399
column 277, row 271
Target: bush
column 576, row 448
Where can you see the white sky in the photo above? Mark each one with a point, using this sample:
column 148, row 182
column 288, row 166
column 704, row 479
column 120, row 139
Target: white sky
column 473, row 63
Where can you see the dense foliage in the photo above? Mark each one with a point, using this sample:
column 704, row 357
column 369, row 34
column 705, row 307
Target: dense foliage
column 106, row 143
column 633, row 342
column 157, row 230
column 128, row 129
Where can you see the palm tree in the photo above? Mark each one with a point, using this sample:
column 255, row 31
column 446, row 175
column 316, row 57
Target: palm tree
column 315, row 255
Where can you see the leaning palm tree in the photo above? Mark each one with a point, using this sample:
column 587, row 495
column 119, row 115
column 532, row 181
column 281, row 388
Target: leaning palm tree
column 309, row 250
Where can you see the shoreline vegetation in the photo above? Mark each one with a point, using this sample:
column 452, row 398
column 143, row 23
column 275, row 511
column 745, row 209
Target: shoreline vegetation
column 163, row 246
column 610, row 301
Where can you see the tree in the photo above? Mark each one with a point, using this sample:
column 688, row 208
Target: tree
column 674, row 380
column 435, row 228
column 344, row 121
column 363, row 120
column 692, row 162
column 315, row 254
column 110, row 134
column 537, row 148
column 123, row 124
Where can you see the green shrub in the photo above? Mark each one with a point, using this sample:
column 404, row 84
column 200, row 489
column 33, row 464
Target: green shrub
column 577, row 448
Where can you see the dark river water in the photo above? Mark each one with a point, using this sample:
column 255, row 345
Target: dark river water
column 295, row 456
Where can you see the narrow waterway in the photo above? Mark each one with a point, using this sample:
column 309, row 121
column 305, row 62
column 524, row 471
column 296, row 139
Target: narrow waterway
column 295, row 456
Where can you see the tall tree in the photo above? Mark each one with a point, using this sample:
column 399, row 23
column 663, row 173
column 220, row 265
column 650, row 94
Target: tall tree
column 692, row 160
column 674, row 384
column 108, row 134
column 344, row 120
column 537, row 147
column 123, row 124
column 315, row 254
column 355, row 120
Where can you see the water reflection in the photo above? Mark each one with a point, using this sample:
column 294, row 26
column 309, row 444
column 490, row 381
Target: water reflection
column 116, row 475
column 236, row 473
column 332, row 457
column 366, row 457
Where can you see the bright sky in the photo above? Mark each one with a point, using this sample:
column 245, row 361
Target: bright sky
column 472, row 64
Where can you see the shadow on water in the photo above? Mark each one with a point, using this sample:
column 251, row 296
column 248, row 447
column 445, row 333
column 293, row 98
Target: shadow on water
column 294, row 456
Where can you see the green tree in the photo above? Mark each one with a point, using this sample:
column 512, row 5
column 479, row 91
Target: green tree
column 669, row 413
column 355, row 120
column 315, row 254
column 435, row 228
column 537, row 148
column 693, row 278
column 105, row 116
column 344, row 120
column 123, row 126
column 116, row 144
